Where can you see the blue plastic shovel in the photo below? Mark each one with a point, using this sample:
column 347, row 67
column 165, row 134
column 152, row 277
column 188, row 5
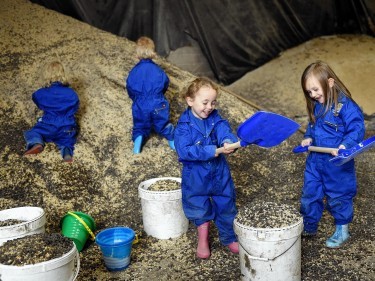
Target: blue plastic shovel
column 265, row 129
column 344, row 155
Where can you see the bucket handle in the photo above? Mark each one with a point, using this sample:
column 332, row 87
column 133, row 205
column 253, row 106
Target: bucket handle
column 77, row 267
column 84, row 224
column 135, row 241
column 267, row 259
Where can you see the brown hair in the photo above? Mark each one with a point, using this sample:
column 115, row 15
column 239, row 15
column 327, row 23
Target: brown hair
column 54, row 72
column 196, row 84
column 145, row 48
column 322, row 72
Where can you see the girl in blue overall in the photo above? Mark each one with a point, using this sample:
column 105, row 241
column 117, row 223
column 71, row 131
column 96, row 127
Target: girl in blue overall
column 59, row 104
column 336, row 121
column 146, row 85
column 208, row 191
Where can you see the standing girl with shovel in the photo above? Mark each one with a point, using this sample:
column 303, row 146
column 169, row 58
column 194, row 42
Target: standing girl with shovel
column 207, row 187
column 336, row 121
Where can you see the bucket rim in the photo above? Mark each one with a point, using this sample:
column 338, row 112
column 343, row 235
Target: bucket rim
column 141, row 186
column 266, row 230
column 18, row 225
column 92, row 225
column 110, row 229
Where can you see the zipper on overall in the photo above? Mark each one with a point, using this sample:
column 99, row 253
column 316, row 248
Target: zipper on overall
column 332, row 125
column 159, row 109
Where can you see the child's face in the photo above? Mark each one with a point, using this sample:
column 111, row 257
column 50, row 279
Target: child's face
column 314, row 89
column 203, row 103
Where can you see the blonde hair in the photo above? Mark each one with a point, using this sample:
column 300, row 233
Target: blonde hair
column 54, row 72
column 196, row 84
column 322, row 72
column 145, row 48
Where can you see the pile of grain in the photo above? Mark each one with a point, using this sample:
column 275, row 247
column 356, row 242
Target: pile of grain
column 10, row 222
column 165, row 185
column 268, row 215
column 34, row 249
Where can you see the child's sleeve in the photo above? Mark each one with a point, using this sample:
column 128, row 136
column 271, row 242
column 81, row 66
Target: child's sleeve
column 36, row 99
column 224, row 133
column 76, row 102
column 187, row 150
column 354, row 124
column 308, row 131
column 129, row 88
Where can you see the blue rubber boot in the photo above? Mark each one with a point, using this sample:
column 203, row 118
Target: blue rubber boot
column 171, row 144
column 138, row 144
column 67, row 155
column 340, row 236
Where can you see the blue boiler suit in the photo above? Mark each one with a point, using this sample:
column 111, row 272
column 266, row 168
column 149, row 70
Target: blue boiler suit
column 324, row 179
column 208, row 191
column 59, row 104
column 146, row 85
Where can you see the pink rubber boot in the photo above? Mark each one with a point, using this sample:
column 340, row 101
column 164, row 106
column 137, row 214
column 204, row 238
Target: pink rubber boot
column 203, row 249
column 233, row 247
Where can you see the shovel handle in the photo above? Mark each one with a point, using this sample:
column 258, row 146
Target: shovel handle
column 230, row 146
column 300, row 148
column 321, row 149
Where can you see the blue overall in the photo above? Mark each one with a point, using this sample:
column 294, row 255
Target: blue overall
column 146, row 85
column 208, row 191
column 58, row 125
column 322, row 178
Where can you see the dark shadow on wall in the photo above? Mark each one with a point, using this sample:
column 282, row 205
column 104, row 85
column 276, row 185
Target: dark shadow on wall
column 235, row 36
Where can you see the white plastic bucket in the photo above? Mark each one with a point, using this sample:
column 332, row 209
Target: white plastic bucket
column 270, row 253
column 34, row 220
column 65, row 268
column 163, row 216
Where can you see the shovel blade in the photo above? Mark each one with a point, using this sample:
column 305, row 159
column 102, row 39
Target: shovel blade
column 349, row 154
column 266, row 129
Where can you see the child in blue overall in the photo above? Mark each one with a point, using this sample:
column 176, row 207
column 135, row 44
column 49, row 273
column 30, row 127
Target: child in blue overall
column 208, row 191
column 59, row 104
column 146, row 85
column 336, row 121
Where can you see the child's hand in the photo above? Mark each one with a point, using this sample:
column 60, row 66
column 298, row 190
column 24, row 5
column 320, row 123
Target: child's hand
column 226, row 149
column 306, row 142
column 335, row 152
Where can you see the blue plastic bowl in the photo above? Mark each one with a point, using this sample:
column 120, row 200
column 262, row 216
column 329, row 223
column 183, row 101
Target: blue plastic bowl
column 116, row 244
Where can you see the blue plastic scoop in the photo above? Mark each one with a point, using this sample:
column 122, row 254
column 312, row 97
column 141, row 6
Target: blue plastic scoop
column 265, row 129
column 344, row 155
